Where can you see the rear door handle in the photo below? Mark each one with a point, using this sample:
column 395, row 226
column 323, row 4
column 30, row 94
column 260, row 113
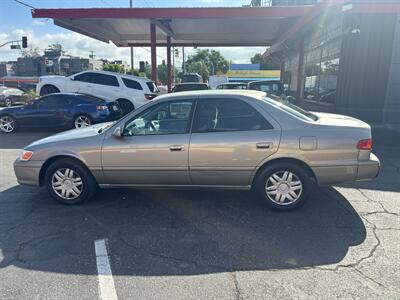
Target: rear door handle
column 265, row 145
column 176, row 147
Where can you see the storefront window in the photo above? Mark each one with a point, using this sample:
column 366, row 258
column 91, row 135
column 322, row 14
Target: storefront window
column 321, row 62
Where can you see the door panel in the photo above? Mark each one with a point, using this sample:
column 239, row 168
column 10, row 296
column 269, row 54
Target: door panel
column 146, row 159
column 230, row 139
column 229, row 158
column 153, row 149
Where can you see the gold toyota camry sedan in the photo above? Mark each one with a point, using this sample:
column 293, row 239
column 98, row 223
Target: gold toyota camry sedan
column 205, row 139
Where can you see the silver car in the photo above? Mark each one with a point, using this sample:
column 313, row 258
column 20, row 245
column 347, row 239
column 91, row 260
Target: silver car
column 226, row 139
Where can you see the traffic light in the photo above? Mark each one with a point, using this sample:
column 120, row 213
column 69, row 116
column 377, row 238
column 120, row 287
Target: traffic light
column 24, row 42
column 176, row 52
column 142, row 68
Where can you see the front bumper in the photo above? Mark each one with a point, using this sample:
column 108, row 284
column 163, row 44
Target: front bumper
column 28, row 172
column 368, row 169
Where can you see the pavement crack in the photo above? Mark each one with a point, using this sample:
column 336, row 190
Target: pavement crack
column 381, row 205
column 369, row 278
column 238, row 295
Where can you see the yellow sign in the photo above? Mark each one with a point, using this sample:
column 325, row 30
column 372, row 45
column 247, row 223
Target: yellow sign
column 254, row 73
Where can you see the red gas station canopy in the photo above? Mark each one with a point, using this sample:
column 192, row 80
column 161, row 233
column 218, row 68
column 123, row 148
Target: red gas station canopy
column 231, row 26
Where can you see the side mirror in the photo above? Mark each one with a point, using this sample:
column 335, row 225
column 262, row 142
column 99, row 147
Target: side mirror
column 117, row 132
column 72, row 78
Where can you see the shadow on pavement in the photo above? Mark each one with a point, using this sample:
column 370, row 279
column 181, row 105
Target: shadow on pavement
column 153, row 233
column 22, row 138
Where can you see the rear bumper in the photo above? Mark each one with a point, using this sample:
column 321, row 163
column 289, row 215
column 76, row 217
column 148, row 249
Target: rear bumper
column 365, row 170
column 368, row 169
column 28, row 172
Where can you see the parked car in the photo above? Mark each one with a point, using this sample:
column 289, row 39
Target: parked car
column 232, row 86
column 191, row 77
column 130, row 92
column 11, row 96
column 205, row 139
column 184, row 87
column 274, row 87
column 61, row 110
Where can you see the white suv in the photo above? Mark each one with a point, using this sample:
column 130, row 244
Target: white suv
column 128, row 91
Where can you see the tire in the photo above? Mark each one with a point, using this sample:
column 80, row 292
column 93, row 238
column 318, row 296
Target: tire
column 82, row 121
column 7, row 124
column 125, row 106
column 48, row 89
column 8, row 102
column 66, row 187
column 281, row 191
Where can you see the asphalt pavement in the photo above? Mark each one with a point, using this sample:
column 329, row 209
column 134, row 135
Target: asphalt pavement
column 154, row 244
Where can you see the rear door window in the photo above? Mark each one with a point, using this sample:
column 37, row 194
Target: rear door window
column 97, row 78
column 220, row 115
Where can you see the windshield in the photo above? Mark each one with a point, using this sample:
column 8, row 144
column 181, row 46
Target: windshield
column 291, row 109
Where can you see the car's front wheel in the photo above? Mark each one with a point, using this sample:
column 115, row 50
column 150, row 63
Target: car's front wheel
column 69, row 182
column 283, row 186
column 7, row 124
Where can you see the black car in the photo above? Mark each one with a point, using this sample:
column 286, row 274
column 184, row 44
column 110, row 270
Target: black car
column 60, row 110
column 274, row 87
column 232, row 86
column 184, row 87
column 191, row 77
column 10, row 96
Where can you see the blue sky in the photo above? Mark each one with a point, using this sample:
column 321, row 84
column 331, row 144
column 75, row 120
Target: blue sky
column 16, row 20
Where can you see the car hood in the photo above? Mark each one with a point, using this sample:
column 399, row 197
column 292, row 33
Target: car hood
column 340, row 120
column 74, row 134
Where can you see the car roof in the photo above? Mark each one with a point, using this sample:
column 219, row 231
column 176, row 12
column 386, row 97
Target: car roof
column 192, row 83
column 246, row 93
column 119, row 74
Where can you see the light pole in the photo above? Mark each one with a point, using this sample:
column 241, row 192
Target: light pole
column 132, row 61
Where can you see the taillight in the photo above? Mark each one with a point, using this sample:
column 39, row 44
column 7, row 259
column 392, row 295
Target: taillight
column 150, row 96
column 102, row 107
column 365, row 144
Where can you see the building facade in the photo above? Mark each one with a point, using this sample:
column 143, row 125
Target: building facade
column 347, row 62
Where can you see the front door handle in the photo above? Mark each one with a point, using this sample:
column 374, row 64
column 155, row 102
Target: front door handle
column 265, row 145
column 176, row 147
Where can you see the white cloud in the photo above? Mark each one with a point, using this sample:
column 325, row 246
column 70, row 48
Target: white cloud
column 38, row 23
column 80, row 45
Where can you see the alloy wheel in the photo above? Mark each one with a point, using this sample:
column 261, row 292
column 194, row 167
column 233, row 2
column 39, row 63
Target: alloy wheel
column 283, row 187
column 7, row 124
column 82, row 121
column 67, row 184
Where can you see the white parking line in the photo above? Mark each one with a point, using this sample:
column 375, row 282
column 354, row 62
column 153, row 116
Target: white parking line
column 106, row 281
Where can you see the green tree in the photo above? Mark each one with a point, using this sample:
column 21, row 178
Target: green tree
column 269, row 63
column 199, row 67
column 162, row 73
column 213, row 61
column 114, row 68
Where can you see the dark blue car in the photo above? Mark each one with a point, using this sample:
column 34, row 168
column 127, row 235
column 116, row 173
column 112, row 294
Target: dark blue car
column 59, row 110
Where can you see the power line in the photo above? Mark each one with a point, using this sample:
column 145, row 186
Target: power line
column 22, row 3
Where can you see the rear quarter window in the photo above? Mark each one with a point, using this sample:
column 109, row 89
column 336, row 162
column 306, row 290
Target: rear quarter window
column 132, row 84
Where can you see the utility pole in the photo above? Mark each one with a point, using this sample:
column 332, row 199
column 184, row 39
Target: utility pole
column 173, row 65
column 132, row 61
column 183, row 62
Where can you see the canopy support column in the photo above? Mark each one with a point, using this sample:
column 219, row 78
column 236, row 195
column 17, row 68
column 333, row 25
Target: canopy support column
column 169, row 71
column 153, row 52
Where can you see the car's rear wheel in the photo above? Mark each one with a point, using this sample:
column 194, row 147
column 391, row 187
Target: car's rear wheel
column 283, row 186
column 69, row 182
column 125, row 106
column 48, row 89
column 82, row 121
column 7, row 124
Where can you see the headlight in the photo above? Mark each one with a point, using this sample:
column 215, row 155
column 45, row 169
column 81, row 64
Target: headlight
column 26, row 155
